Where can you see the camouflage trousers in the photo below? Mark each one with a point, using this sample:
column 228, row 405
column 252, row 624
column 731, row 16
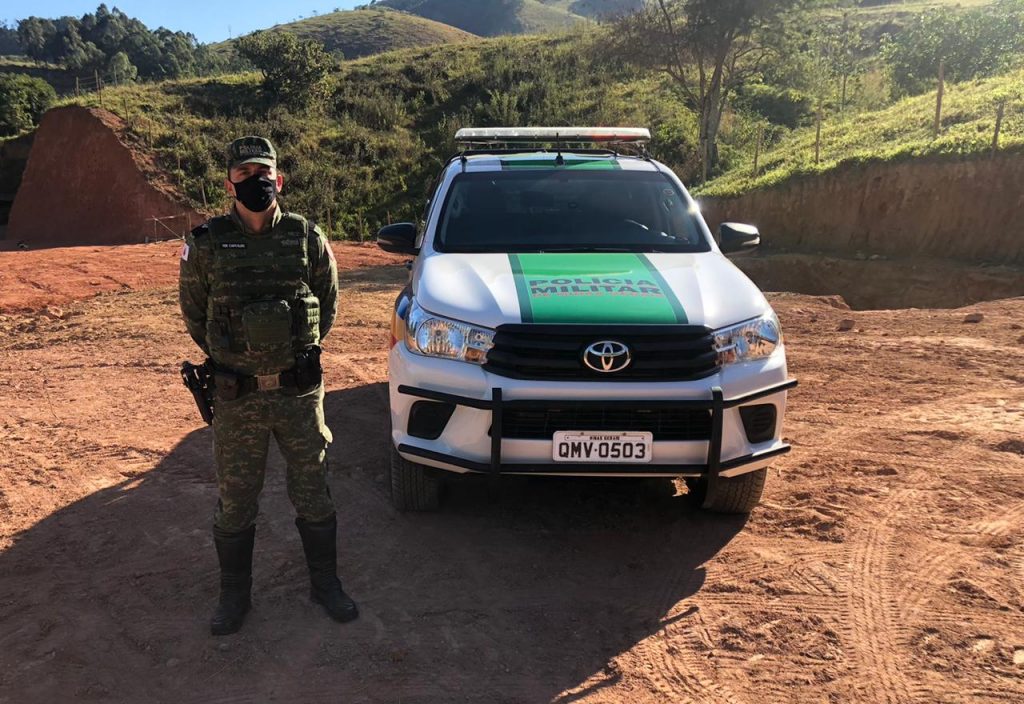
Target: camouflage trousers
column 241, row 439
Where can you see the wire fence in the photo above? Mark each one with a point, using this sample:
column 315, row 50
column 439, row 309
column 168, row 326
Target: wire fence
column 170, row 227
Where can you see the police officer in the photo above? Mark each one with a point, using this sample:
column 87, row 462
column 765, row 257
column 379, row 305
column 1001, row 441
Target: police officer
column 259, row 291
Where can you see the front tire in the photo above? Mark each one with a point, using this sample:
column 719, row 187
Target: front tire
column 413, row 486
column 732, row 494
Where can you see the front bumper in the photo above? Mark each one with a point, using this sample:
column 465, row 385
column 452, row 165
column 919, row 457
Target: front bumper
column 473, row 441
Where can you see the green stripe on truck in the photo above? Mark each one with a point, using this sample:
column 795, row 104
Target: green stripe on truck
column 604, row 288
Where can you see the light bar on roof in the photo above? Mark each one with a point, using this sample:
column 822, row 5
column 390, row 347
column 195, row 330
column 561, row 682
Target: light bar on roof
column 491, row 135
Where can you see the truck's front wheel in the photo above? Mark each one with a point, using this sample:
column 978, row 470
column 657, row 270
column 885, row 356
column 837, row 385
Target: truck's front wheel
column 732, row 494
column 413, row 486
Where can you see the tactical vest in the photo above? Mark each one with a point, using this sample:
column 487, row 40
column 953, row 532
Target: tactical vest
column 261, row 310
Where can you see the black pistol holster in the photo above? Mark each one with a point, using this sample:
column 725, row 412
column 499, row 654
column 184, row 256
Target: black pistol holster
column 199, row 380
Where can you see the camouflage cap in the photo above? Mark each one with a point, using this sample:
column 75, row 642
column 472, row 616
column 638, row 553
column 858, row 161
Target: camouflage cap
column 251, row 150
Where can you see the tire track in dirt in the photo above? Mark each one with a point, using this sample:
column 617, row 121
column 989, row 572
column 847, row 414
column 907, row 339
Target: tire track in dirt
column 677, row 661
column 676, row 655
column 872, row 613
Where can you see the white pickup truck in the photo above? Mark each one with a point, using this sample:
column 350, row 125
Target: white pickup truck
column 569, row 313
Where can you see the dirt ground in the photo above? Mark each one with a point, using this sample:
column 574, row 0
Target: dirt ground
column 885, row 565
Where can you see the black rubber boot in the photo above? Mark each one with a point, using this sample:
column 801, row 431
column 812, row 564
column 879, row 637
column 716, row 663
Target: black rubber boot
column 234, row 550
column 319, row 543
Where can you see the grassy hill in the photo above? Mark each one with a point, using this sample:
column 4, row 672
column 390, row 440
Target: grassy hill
column 595, row 9
column 364, row 32
column 388, row 126
column 494, row 17
column 901, row 131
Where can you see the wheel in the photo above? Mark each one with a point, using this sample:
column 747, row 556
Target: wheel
column 732, row 494
column 413, row 486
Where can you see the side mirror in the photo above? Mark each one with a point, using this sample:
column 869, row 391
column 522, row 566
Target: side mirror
column 399, row 238
column 737, row 237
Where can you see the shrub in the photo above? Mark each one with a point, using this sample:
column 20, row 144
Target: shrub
column 23, row 100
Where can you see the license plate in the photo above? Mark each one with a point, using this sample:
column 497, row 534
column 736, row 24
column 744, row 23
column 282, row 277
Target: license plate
column 609, row 448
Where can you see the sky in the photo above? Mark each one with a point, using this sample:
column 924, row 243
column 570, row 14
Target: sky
column 209, row 20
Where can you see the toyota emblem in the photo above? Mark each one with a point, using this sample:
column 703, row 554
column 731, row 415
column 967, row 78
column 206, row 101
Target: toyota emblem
column 607, row 356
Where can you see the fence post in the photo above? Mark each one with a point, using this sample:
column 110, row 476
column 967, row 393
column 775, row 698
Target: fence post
column 99, row 86
column 938, row 97
column 78, row 88
column 999, row 124
column 817, row 139
column 757, row 147
column 202, row 188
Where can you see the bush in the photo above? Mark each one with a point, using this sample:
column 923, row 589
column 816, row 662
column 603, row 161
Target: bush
column 781, row 106
column 295, row 72
column 23, row 100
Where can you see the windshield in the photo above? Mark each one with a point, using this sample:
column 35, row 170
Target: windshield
column 567, row 210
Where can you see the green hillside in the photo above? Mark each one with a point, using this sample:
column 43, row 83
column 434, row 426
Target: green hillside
column 357, row 33
column 387, row 126
column 596, row 9
column 495, row 17
column 900, row 131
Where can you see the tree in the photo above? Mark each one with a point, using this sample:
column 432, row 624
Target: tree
column 35, row 36
column 295, row 71
column 707, row 47
column 23, row 100
column 9, row 45
column 121, row 69
column 78, row 54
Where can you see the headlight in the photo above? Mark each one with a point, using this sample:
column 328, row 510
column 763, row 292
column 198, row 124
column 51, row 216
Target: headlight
column 433, row 336
column 754, row 339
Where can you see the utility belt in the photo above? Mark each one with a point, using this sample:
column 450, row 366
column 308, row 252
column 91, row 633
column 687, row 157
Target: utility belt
column 305, row 376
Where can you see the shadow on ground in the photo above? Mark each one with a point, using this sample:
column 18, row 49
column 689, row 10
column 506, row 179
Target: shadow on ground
column 514, row 600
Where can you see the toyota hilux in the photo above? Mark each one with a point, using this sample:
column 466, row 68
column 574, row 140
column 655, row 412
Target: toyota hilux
column 569, row 313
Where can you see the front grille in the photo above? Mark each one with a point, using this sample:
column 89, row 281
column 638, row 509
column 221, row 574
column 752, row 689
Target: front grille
column 666, row 423
column 555, row 352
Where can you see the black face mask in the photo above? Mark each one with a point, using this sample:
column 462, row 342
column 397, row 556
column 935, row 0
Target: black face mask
column 256, row 193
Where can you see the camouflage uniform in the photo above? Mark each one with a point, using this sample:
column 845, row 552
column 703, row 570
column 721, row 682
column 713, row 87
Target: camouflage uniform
column 226, row 273
column 259, row 303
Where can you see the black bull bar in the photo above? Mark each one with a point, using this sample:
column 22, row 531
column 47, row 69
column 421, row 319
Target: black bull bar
column 714, row 466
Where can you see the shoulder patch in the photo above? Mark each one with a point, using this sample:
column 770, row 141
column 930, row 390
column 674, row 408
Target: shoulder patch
column 184, row 252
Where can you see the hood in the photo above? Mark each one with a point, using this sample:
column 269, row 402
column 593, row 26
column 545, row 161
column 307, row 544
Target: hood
column 587, row 288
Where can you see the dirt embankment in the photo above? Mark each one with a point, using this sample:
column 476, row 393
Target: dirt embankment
column 84, row 186
column 955, row 209
column 867, row 284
